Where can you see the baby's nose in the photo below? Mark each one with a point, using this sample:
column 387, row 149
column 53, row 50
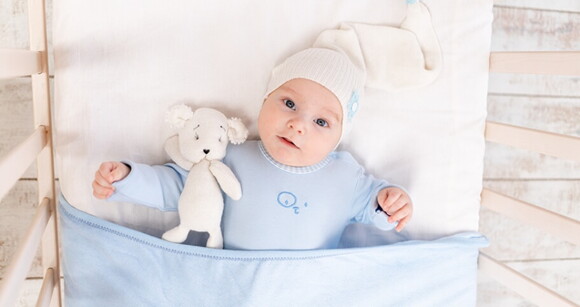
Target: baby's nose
column 297, row 125
column 206, row 151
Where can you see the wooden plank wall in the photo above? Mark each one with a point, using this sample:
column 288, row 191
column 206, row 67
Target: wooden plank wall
column 544, row 102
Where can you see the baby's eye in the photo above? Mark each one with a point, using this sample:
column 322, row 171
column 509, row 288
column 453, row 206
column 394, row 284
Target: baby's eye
column 290, row 104
column 321, row 122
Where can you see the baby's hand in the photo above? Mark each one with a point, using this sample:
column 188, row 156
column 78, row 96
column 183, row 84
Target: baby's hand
column 108, row 173
column 397, row 205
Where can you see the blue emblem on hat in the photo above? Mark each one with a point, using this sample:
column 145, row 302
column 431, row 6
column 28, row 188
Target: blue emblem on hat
column 352, row 106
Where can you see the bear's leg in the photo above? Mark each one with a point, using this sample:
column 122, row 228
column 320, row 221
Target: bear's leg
column 215, row 239
column 177, row 234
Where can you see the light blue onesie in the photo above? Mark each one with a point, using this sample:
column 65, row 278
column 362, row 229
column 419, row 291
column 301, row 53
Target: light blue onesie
column 282, row 207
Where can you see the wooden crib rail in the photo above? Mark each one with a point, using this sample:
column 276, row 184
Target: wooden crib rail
column 538, row 62
column 557, row 145
column 559, row 225
column 19, row 63
column 529, row 288
column 43, row 230
column 48, row 286
column 552, row 144
column 22, row 260
column 554, row 223
column 548, row 143
column 15, row 163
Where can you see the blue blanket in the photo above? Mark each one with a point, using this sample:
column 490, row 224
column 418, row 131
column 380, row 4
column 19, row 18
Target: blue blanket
column 105, row 264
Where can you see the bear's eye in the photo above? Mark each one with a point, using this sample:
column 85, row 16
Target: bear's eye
column 196, row 137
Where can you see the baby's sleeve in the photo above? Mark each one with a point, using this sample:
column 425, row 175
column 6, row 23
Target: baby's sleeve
column 366, row 204
column 156, row 186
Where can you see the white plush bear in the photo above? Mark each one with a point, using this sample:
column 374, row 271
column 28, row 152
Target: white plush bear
column 199, row 145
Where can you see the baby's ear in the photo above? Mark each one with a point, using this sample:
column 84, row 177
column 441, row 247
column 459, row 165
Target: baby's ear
column 237, row 131
column 178, row 115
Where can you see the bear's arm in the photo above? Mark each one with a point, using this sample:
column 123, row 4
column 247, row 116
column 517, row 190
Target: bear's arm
column 226, row 179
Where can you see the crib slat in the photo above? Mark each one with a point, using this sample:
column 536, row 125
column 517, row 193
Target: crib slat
column 538, row 62
column 15, row 163
column 526, row 287
column 19, row 62
column 22, row 260
column 47, row 289
column 45, row 159
column 548, row 143
column 561, row 226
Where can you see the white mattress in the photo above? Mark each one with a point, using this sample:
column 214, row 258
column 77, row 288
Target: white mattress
column 120, row 64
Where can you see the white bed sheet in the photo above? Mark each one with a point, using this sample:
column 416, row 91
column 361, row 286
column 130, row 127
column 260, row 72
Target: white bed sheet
column 120, row 64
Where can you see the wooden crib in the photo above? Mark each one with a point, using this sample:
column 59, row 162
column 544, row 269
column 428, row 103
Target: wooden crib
column 38, row 147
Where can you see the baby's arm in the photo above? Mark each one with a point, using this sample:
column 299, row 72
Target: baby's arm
column 155, row 186
column 397, row 204
column 106, row 175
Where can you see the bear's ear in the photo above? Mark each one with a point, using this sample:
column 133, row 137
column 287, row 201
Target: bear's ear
column 178, row 115
column 237, row 131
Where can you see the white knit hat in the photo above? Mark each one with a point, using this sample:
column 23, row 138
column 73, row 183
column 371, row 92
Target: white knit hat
column 329, row 68
column 347, row 59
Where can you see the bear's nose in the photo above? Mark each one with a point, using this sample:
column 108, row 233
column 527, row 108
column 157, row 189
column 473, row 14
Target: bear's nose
column 206, row 151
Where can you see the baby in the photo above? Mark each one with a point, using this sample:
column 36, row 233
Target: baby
column 297, row 191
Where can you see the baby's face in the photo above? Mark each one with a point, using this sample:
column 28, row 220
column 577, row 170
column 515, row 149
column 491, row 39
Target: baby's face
column 300, row 123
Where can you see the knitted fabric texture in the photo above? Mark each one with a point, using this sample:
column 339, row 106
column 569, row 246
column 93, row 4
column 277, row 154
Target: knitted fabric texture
column 354, row 56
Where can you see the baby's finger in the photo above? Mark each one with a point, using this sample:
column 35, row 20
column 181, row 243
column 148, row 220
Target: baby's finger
column 105, row 170
column 391, row 198
column 101, row 192
column 396, row 206
column 382, row 197
column 101, row 180
column 399, row 214
column 402, row 223
column 119, row 171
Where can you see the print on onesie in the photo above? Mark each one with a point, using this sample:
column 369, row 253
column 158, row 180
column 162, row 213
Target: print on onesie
column 289, row 200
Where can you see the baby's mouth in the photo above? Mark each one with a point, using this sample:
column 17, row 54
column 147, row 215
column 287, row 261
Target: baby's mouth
column 287, row 142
